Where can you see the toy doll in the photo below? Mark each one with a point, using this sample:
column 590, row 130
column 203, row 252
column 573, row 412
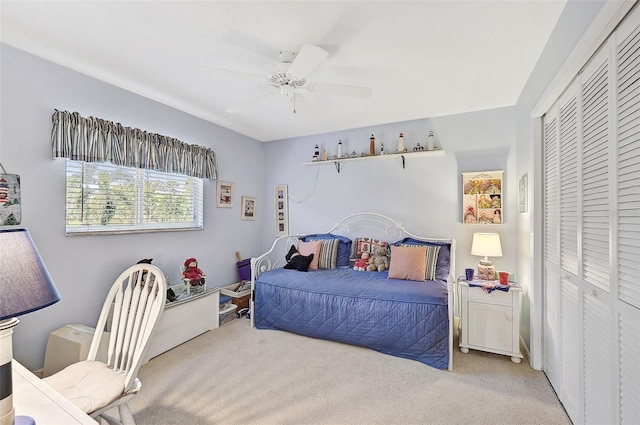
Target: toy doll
column 193, row 273
column 362, row 263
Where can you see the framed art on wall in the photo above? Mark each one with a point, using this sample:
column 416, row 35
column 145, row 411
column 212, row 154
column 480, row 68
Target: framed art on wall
column 522, row 193
column 281, row 209
column 482, row 197
column 225, row 195
column 248, row 208
column 10, row 203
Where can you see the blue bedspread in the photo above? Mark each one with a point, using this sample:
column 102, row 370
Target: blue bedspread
column 398, row 317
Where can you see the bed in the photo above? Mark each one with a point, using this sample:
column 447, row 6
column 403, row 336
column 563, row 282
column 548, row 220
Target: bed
column 402, row 317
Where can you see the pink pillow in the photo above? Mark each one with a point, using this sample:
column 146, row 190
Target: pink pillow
column 311, row 247
column 408, row 263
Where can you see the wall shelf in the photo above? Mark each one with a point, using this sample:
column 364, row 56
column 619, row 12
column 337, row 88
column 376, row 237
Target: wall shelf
column 403, row 156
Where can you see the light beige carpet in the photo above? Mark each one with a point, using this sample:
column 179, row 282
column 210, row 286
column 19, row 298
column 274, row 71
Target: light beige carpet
column 241, row 375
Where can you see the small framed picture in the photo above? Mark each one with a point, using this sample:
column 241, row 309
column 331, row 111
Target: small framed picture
column 225, row 195
column 10, row 200
column 522, row 193
column 248, row 208
column 281, row 209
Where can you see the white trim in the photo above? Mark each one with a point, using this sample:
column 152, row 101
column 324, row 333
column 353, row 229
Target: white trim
column 611, row 14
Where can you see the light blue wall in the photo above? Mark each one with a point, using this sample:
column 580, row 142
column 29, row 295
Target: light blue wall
column 425, row 196
column 84, row 267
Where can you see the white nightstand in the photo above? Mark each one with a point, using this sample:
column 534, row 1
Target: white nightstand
column 490, row 321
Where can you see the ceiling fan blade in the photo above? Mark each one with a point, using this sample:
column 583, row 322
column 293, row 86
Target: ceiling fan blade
column 307, row 59
column 250, row 102
column 236, row 74
column 340, row 90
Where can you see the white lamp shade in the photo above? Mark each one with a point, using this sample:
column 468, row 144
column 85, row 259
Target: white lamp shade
column 486, row 245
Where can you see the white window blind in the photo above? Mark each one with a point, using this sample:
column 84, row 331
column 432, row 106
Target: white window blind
column 102, row 197
column 628, row 170
column 595, row 175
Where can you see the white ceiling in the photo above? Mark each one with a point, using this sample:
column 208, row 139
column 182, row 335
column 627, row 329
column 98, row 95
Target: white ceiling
column 421, row 58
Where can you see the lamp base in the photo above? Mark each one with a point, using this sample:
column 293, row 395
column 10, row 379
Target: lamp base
column 24, row 420
column 486, row 271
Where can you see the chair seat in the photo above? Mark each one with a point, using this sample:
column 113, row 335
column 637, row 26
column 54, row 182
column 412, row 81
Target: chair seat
column 90, row 385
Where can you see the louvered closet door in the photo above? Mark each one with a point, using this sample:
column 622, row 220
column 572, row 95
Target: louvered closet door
column 592, row 236
column 551, row 261
column 628, row 218
column 571, row 311
column 598, row 326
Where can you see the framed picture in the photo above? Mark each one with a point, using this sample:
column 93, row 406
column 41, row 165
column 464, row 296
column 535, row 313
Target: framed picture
column 482, row 197
column 10, row 200
column 225, row 195
column 281, row 209
column 522, row 193
column 248, row 208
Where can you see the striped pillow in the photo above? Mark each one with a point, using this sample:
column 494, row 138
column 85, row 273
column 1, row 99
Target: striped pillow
column 328, row 253
column 432, row 259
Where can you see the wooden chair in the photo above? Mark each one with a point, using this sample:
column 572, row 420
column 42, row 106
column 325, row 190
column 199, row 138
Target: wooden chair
column 133, row 306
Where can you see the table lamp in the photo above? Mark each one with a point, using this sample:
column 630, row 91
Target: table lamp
column 486, row 245
column 25, row 286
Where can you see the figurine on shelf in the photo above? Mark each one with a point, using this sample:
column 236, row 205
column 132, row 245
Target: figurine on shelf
column 316, row 153
column 401, row 148
column 381, row 148
column 339, row 148
column 418, row 148
column 324, row 155
column 431, row 142
column 372, row 145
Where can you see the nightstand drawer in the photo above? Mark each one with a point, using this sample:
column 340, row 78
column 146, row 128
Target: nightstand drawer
column 496, row 296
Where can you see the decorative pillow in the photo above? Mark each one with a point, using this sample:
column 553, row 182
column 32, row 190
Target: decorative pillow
column 299, row 262
column 431, row 259
column 408, row 263
column 344, row 246
column 442, row 264
column 328, row 253
column 308, row 248
column 369, row 245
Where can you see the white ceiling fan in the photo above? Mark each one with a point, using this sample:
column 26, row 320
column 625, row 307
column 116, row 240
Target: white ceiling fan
column 289, row 77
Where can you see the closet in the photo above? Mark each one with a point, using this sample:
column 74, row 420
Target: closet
column 591, row 235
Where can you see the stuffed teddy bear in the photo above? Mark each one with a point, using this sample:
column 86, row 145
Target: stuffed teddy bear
column 192, row 272
column 297, row 261
column 380, row 261
column 362, row 262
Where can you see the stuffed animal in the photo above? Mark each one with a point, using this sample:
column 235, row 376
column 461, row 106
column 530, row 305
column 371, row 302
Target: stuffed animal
column 171, row 295
column 193, row 273
column 297, row 261
column 380, row 261
column 362, row 263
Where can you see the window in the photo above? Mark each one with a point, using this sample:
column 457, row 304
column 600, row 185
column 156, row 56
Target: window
column 102, row 197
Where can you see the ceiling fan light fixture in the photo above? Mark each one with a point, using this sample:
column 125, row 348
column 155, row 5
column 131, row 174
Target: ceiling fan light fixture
column 287, row 90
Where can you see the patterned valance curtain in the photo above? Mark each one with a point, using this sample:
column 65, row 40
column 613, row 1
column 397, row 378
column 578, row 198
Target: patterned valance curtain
column 96, row 140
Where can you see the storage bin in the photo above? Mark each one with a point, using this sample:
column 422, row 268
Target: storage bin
column 244, row 269
column 228, row 314
column 239, row 298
